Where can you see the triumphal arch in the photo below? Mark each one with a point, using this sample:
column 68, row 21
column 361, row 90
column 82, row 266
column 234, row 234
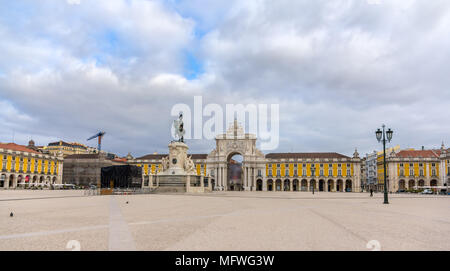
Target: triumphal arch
column 233, row 142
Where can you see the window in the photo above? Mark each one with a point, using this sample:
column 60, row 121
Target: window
column 286, row 172
column 433, row 172
column 433, row 164
column 339, row 172
column 330, row 172
column 287, row 165
column 330, row 165
column 321, row 172
column 348, row 172
column 411, row 165
column 278, row 165
column 259, row 172
column 348, row 165
column 401, row 164
column 295, row 165
column 411, row 172
column 402, row 172
column 304, row 165
column 304, row 172
column 295, row 172
column 339, row 165
column 278, row 172
column 270, row 172
column 321, row 165
column 421, row 172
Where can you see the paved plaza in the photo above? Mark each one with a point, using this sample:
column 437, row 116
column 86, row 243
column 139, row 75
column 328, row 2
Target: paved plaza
column 50, row 220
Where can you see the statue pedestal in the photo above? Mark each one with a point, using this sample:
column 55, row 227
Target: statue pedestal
column 176, row 177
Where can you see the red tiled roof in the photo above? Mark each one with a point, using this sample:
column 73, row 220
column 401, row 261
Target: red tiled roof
column 15, row 147
column 418, row 154
column 305, row 155
column 120, row 159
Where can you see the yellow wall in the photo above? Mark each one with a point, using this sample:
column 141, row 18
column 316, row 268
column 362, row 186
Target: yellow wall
column 1, row 162
column 8, row 162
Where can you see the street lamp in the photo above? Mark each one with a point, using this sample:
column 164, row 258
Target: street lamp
column 382, row 136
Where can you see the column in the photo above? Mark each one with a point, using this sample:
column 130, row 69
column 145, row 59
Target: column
column 150, row 180
column 219, row 176
column 244, row 175
column 225, row 177
column 6, row 184
column 202, row 181
column 291, row 185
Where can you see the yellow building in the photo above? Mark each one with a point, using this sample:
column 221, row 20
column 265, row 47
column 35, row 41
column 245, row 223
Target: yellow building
column 22, row 166
column 65, row 148
column 411, row 170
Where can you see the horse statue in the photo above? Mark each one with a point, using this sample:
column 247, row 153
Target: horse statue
column 179, row 130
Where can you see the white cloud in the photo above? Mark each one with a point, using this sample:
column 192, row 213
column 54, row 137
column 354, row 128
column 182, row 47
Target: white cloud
column 338, row 69
column 73, row 2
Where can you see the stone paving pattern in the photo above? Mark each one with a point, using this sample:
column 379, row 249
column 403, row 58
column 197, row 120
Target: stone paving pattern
column 48, row 220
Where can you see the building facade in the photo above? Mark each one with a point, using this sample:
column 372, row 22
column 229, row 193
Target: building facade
column 371, row 170
column 21, row 166
column 67, row 148
column 85, row 169
column 417, row 169
column 272, row 172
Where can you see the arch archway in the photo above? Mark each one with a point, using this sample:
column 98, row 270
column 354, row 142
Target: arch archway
column 411, row 184
column 321, row 185
column 339, row 186
column 234, row 172
column 287, row 185
column 295, row 185
column 3, row 182
column 312, row 185
column 402, row 185
column 11, row 180
column 270, row 185
column 54, row 180
column 348, row 186
column 433, row 183
column 20, row 181
column 278, row 185
column 304, row 186
column 259, row 185
column 330, row 185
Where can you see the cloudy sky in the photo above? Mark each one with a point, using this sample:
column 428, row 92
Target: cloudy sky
column 337, row 69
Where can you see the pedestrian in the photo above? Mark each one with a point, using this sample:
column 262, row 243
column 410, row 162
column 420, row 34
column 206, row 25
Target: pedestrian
column 371, row 192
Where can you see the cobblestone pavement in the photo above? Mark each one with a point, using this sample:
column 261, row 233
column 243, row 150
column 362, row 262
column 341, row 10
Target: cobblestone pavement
column 67, row 220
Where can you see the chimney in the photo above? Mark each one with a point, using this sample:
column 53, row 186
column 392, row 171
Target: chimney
column 423, row 148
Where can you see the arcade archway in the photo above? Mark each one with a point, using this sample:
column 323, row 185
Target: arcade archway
column 234, row 164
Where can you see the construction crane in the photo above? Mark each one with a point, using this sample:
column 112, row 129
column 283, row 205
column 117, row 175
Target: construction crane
column 99, row 135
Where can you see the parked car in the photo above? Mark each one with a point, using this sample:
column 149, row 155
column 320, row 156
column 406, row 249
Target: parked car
column 401, row 191
column 427, row 191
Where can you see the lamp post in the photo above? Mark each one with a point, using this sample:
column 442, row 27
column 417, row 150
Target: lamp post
column 382, row 136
